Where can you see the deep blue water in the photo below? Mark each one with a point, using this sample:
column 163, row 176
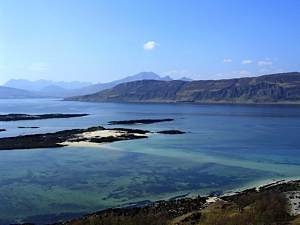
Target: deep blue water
column 226, row 147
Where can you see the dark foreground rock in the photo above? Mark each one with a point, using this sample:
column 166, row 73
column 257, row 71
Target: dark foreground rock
column 171, row 132
column 17, row 117
column 62, row 138
column 154, row 213
column 143, row 121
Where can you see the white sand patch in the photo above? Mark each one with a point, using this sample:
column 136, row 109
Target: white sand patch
column 82, row 144
column 212, row 200
column 294, row 202
column 95, row 134
column 101, row 133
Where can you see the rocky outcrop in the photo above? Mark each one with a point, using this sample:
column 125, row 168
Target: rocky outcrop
column 275, row 88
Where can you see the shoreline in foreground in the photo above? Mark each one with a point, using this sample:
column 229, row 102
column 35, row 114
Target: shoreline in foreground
column 273, row 203
column 185, row 210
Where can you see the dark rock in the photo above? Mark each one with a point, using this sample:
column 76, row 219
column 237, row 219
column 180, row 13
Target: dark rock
column 122, row 137
column 1, row 130
column 171, row 132
column 28, row 127
column 143, row 121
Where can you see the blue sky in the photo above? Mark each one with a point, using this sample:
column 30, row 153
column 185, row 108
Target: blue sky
column 101, row 40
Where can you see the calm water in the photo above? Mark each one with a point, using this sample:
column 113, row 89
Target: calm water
column 227, row 147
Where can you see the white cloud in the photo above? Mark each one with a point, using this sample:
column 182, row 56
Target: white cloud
column 38, row 67
column 227, row 60
column 150, row 45
column 247, row 61
column 265, row 63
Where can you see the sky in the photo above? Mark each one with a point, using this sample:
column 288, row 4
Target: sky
column 100, row 41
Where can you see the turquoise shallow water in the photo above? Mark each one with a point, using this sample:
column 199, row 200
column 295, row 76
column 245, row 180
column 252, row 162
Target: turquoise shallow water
column 227, row 147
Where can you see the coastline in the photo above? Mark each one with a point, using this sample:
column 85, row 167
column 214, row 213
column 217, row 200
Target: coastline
column 187, row 203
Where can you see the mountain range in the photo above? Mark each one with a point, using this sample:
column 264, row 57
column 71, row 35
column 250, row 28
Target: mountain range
column 46, row 88
column 273, row 88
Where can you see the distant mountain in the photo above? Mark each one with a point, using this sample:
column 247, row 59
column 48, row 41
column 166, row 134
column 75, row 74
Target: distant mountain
column 14, row 93
column 102, row 86
column 143, row 76
column 39, row 85
column 274, row 88
column 55, row 91
column 75, row 88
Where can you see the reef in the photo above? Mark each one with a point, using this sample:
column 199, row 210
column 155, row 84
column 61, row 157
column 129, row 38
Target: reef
column 17, row 117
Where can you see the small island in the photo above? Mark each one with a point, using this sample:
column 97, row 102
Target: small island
column 1, row 130
column 171, row 132
column 17, row 117
column 75, row 137
column 142, row 121
column 28, row 127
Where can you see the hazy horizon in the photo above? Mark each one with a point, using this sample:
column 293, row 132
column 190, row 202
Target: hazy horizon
column 97, row 41
column 90, row 82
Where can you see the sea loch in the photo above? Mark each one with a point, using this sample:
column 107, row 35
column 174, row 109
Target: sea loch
column 225, row 148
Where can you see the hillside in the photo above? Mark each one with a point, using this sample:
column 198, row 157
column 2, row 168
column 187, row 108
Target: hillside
column 274, row 88
column 13, row 93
